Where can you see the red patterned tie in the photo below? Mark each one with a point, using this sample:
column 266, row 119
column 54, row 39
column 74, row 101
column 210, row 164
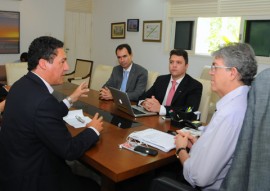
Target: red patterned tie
column 171, row 93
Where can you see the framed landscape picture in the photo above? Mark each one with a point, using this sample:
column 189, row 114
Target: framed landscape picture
column 9, row 32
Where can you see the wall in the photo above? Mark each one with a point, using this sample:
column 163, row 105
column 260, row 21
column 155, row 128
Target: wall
column 149, row 54
column 38, row 17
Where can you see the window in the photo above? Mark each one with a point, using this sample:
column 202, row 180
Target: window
column 214, row 32
column 217, row 22
column 257, row 35
column 183, row 34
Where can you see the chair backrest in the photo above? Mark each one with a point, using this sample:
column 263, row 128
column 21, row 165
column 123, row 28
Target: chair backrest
column 83, row 68
column 205, row 73
column 100, row 76
column 152, row 76
column 205, row 100
column 214, row 97
column 15, row 71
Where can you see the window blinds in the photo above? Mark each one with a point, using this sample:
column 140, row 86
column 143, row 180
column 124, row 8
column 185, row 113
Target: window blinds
column 79, row 6
column 215, row 8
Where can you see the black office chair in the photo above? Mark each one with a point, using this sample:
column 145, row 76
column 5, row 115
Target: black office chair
column 250, row 169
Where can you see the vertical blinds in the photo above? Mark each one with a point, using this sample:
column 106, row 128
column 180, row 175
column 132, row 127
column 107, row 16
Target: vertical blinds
column 213, row 8
column 79, row 6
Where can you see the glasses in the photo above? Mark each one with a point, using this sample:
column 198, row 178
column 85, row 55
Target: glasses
column 213, row 67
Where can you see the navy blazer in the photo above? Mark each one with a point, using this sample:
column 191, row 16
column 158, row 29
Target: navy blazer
column 136, row 83
column 35, row 142
column 187, row 94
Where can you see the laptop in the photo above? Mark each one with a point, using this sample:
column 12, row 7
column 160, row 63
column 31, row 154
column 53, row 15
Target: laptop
column 122, row 103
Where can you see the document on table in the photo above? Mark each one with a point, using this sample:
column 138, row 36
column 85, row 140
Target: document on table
column 155, row 138
column 76, row 118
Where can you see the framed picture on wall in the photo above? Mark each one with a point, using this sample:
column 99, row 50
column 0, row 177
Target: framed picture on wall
column 152, row 31
column 118, row 30
column 10, row 32
column 133, row 25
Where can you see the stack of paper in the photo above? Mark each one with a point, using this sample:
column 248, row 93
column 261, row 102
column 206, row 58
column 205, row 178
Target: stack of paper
column 155, row 138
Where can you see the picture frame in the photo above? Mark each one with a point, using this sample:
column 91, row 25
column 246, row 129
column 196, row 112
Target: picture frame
column 118, row 30
column 10, row 38
column 133, row 25
column 152, row 31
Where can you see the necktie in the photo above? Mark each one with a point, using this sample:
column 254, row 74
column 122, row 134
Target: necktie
column 124, row 82
column 171, row 93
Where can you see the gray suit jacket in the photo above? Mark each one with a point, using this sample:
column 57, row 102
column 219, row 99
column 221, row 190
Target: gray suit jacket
column 136, row 83
column 250, row 169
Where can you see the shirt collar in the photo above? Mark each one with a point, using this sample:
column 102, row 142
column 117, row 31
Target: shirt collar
column 46, row 83
column 129, row 68
column 177, row 81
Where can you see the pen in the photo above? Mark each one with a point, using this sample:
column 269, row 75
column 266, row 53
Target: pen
column 79, row 119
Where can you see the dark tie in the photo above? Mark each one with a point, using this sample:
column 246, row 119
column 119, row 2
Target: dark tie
column 171, row 93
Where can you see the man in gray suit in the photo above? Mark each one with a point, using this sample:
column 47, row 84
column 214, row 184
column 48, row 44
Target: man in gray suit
column 136, row 76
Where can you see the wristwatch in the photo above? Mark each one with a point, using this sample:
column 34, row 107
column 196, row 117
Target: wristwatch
column 69, row 100
column 178, row 151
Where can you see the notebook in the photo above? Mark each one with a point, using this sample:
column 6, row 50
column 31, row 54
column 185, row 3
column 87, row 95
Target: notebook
column 122, row 102
column 155, row 138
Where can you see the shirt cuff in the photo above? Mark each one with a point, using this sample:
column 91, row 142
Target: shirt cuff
column 162, row 110
column 94, row 130
column 66, row 102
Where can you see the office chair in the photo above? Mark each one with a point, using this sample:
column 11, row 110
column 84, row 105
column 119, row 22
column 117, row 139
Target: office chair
column 100, row 76
column 250, row 168
column 15, row 71
column 152, row 76
column 214, row 97
column 205, row 99
column 82, row 72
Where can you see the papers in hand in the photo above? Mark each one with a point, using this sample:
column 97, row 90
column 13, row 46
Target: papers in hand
column 76, row 118
column 155, row 138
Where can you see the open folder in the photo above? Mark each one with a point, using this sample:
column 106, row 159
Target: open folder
column 155, row 138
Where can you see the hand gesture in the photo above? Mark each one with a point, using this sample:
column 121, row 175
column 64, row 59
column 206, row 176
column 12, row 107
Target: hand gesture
column 81, row 91
column 96, row 122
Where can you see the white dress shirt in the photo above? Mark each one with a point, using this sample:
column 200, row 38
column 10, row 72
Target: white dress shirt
column 211, row 156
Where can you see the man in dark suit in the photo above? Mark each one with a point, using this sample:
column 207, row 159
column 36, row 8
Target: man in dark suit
column 187, row 91
column 34, row 140
column 136, row 78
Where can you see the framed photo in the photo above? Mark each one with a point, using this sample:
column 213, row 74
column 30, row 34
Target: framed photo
column 118, row 30
column 133, row 25
column 152, row 31
column 10, row 32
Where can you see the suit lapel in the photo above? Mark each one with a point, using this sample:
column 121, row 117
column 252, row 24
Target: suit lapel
column 181, row 87
column 130, row 76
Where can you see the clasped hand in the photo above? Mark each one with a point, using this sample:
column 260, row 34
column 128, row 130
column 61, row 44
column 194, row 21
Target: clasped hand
column 105, row 94
column 184, row 139
column 151, row 104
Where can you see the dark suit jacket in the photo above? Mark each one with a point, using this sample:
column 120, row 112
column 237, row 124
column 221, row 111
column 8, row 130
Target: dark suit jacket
column 136, row 83
column 3, row 92
column 187, row 94
column 35, row 142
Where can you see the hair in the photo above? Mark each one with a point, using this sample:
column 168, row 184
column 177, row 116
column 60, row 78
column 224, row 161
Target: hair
column 44, row 47
column 242, row 57
column 121, row 46
column 180, row 52
column 24, row 57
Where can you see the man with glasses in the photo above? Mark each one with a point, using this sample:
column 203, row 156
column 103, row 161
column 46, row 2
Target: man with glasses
column 210, row 156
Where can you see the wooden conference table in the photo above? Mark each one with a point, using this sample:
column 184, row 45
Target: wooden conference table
column 113, row 163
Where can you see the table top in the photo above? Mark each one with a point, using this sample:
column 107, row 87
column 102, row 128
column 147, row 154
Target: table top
column 106, row 156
